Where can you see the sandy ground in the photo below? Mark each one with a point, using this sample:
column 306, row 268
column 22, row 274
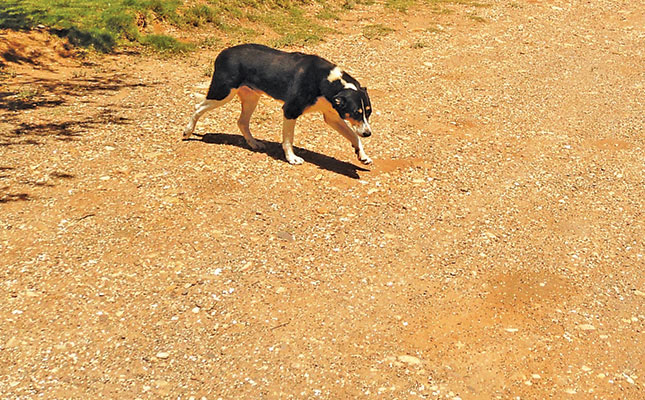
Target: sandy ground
column 493, row 251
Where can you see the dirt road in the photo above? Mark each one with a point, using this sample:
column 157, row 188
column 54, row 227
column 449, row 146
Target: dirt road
column 493, row 250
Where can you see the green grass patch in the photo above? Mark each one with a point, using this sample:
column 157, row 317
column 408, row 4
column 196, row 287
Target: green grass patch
column 326, row 14
column 292, row 26
column 105, row 24
column 376, row 31
column 166, row 44
column 351, row 4
column 399, row 5
column 97, row 24
column 201, row 14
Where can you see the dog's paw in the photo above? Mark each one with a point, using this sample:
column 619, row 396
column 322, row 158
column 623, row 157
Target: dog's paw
column 366, row 160
column 295, row 160
column 187, row 132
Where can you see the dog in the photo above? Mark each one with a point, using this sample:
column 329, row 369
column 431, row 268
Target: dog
column 304, row 83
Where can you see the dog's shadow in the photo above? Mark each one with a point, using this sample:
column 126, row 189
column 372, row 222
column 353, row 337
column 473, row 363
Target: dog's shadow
column 275, row 151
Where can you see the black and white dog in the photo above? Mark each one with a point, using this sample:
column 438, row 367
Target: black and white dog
column 303, row 83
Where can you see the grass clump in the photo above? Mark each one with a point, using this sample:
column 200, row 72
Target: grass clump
column 292, row 26
column 376, row 31
column 166, row 44
column 201, row 14
column 399, row 5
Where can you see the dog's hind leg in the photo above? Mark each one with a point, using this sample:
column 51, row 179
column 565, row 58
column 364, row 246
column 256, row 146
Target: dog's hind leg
column 341, row 127
column 201, row 108
column 249, row 100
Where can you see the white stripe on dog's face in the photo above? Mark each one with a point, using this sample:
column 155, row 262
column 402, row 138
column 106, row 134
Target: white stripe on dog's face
column 364, row 127
column 337, row 74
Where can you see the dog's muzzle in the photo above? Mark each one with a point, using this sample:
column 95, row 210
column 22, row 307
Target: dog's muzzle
column 363, row 129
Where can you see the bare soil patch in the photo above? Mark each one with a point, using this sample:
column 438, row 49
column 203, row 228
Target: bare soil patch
column 493, row 250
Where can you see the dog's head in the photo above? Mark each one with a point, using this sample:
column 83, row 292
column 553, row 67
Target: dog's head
column 354, row 106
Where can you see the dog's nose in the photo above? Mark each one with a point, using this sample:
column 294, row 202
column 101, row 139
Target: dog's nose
column 367, row 133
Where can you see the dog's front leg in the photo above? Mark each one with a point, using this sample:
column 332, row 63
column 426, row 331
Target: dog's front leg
column 341, row 127
column 288, row 128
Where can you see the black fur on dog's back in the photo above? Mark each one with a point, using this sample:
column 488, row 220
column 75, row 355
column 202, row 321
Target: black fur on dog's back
column 296, row 79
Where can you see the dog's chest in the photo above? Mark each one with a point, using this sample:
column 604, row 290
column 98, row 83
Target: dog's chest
column 321, row 105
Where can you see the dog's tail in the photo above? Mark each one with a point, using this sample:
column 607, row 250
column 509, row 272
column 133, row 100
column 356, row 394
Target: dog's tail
column 200, row 87
column 199, row 97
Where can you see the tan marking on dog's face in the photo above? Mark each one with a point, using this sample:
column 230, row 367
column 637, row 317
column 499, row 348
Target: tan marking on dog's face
column 352, row 121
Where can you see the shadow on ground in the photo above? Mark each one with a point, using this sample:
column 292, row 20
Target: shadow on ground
column 25, row 133
column 41, row 93
column 274, row 150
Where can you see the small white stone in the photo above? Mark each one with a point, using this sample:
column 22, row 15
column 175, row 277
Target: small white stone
column 163, row 355
column 409, row 359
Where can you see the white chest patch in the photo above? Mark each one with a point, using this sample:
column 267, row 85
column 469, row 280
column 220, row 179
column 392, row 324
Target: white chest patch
column 337, row 74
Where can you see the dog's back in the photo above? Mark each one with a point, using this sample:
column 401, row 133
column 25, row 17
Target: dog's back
column 274, row 72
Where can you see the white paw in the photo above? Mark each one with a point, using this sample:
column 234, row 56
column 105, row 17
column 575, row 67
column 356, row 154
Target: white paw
column 366, row 160
column 188, row 131
column 255, row 145
column 295, row 160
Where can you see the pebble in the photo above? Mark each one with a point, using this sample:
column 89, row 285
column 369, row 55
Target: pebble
column 409, row 359
column 586, row 327
column 13, row 342
column 285, row 236
column 163, row 355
